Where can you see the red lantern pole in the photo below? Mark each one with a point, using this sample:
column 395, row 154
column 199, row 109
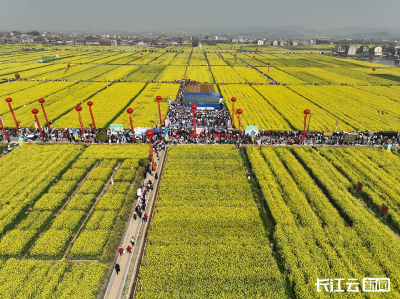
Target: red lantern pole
column 233, row 100
column 41, row 101
column 159, row 98
column 373, row 70
column 239, row 111
column 149, row 134
column 4, row 130
column 35, row 111
column 306, row 113
column 130, row 111
column 268, row 66
column 141, row 54
column 254, row 57
column 235, row 58
column 79, row 109
column 9, row 100
column 194, row 107
column 90, row 104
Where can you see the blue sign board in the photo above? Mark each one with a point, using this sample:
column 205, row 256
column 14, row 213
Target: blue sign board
column 187, row 96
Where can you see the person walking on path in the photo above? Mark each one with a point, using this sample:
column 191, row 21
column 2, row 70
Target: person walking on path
column 121, row 250
column 117, row 268
column 133, row 241
column 144, row 218
column 129, row 249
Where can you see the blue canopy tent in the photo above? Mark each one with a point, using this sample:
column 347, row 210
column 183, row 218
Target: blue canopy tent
column 156, row 131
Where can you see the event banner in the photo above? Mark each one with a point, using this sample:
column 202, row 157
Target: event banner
column 141, row 130
column 75, row 133
column 201, row 97
column 101, row 136
column 115, row 128
column 251, row 130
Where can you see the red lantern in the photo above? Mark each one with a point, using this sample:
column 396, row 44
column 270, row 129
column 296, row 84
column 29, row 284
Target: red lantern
column 194, row 107
column 239, row 111
column 159, row 98
column 233, row 100
column 79, row 109
column 150, row 134
column 254, row 57
column 130, row 111
column 306, row 113
column 41, row 101
column 373, row 70
column 9, row 100
column 90, row 104
column 35, row 111
column 17, row 76
column 68, row 66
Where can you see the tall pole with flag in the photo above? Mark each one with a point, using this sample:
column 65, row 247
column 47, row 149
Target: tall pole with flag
column 41, row 101
column 130, row 111
column 306, row 113
column 9, row 100
column 79, row 109
column 238, row 112
column 159, row 98
column 68, row 66
column 150, row 134
column 35, row 111
column 90, row 104
column 194, row 107
column 373, row 70
column 233, row 100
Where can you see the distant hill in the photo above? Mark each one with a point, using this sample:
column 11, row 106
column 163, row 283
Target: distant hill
column 291, row 30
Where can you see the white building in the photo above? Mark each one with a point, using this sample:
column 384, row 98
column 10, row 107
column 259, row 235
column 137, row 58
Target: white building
column 260, row 42
column 351, row 50
column 377, row 51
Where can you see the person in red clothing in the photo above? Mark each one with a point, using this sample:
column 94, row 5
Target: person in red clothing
column 129, row 249
column 144, row 219
column 121, row 250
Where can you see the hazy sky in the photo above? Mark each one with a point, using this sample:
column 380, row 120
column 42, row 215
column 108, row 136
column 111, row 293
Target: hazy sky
column 136, row 16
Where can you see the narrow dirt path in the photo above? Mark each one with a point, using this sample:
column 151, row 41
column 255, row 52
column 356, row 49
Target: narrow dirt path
column 105, row 190
column 120, row 286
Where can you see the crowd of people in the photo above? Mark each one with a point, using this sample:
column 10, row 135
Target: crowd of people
column 181, row 117
column 212, row 126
